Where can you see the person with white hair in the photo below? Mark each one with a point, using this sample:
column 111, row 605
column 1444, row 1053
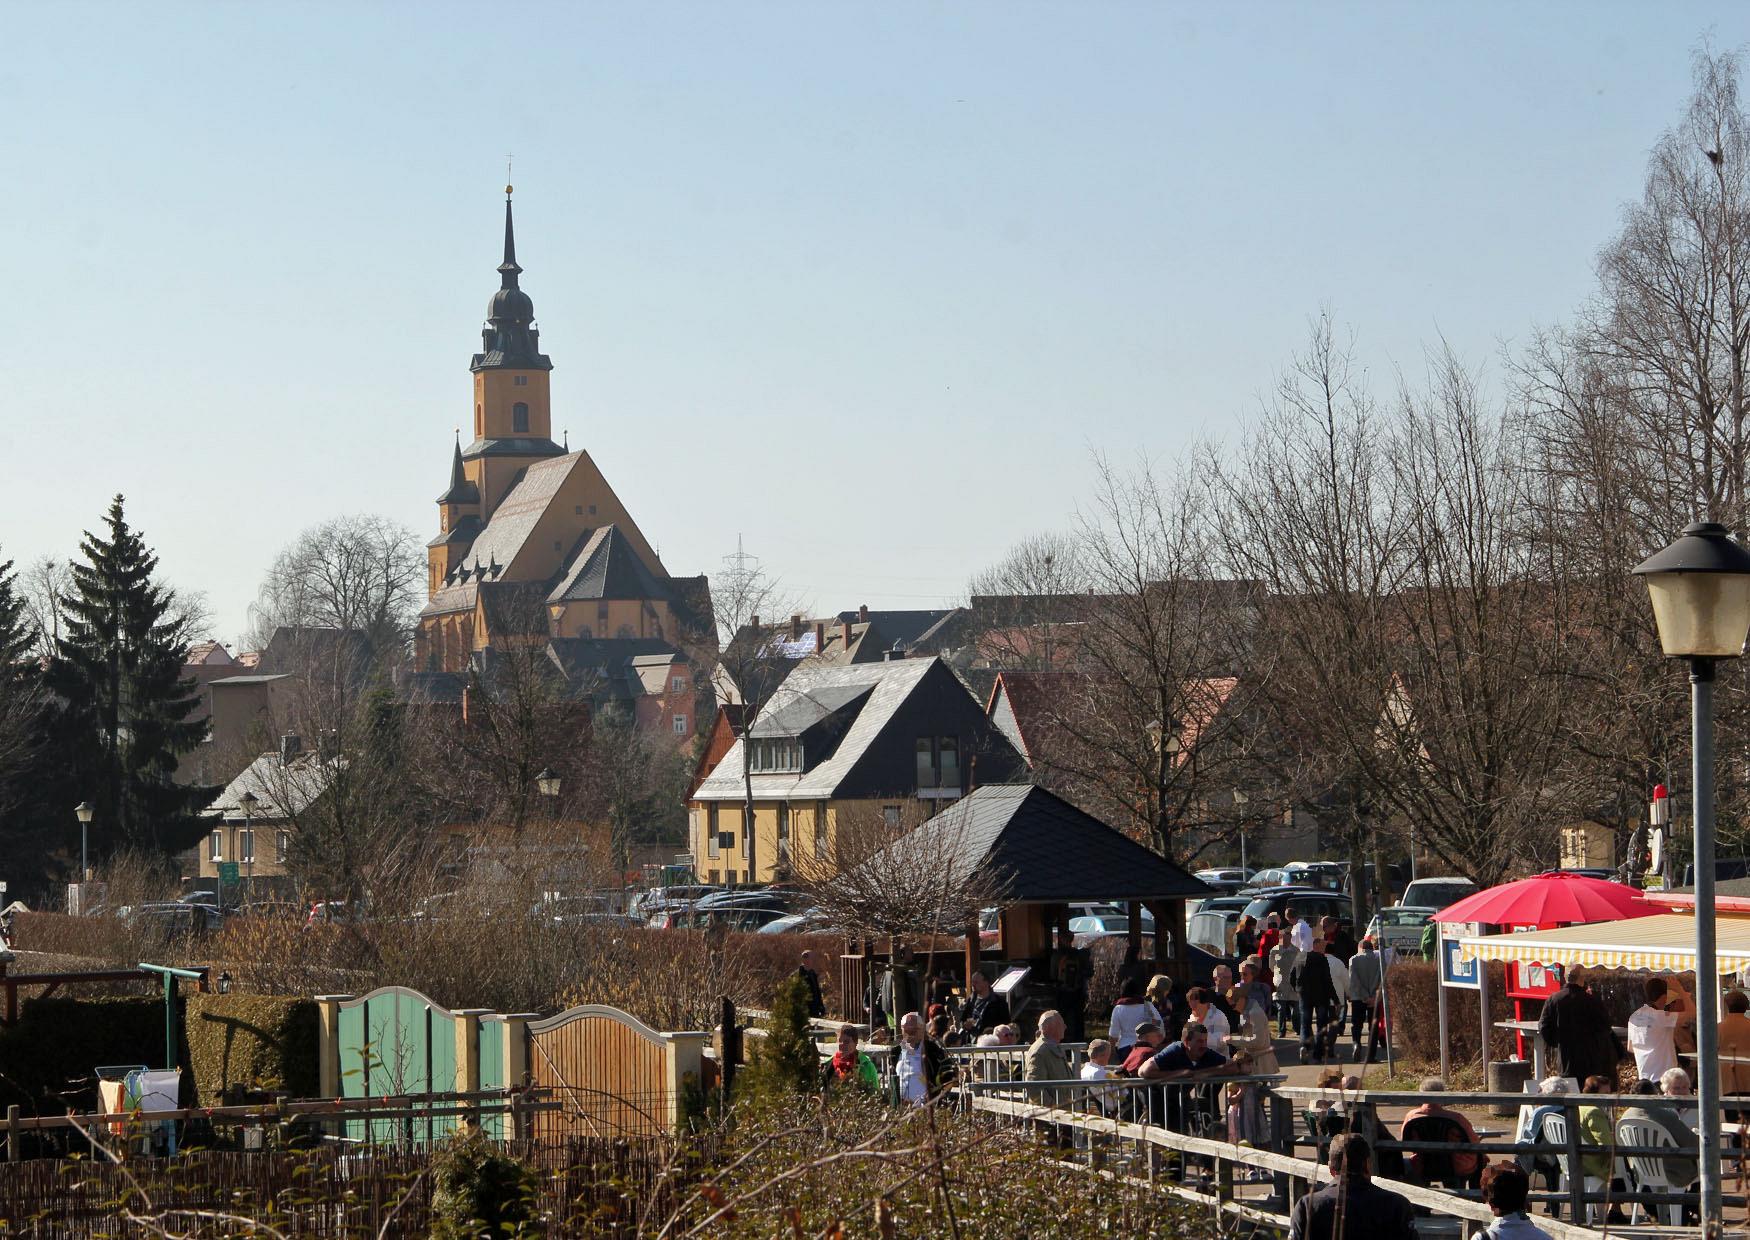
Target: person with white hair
column 1682, row 1172
column 1545, row 1161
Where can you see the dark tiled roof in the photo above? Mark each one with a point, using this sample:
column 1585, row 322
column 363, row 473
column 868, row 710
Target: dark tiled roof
column 533, row 446
column 900, row 628
column 465, row 530
column 513, row 608
column 434, row 688
column 798, row 715
column 608, row 568
column 1045, row 850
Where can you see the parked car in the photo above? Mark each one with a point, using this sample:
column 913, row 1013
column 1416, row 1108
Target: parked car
column 647, row 904
column 813, row 921
column 334, row 913
column 1226, row 878
column 1211, row 927
column 1266, row 878
column 1311, row 903
column 1324, row 875
column 1608, row 876
column 1400, row 926
column 170, row 920
column 747, row 908
column 1436, row 893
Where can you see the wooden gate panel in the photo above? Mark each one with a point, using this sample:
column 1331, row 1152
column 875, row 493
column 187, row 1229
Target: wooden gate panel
column 611, row 1073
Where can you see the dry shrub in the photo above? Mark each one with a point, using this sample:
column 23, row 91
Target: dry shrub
column 1416, row 1011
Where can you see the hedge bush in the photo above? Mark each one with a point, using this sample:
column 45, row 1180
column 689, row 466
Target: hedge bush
column 244, row 1044
column 49, row 1058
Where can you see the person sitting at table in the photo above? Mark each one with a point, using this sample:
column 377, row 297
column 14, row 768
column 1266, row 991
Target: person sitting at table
column 1545, row 1161
column 1596, row 1129
column 1734, row 1041
column 1506, row 1189
column 1465, row 1164
column 1674, row 1083
column 1682, row 1172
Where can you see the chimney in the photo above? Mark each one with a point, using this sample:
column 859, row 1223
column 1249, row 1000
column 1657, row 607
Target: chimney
column 863, row 614
column 464, row 704
column 819, row 636
column 754, row 622
column 290, row 746
column 795, row 628
column 847, row 635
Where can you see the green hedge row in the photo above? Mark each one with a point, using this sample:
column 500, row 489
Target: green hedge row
column 229, row 1045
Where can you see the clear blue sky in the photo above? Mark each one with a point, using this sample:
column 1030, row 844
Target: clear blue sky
column 866, row 284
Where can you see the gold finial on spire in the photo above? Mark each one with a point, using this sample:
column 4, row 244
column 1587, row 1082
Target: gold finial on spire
column 507, row 185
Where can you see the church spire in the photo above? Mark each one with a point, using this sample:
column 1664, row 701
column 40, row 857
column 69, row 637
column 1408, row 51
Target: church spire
column 510, row 340
column 461, row 490
column 508, row 270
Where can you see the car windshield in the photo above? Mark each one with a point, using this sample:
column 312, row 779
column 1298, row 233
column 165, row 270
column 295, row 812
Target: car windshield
column 1405, row 916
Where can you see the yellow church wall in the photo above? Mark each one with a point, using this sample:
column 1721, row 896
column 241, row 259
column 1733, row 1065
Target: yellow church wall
column 496, row 393
column 590, row 618
column 584, row 501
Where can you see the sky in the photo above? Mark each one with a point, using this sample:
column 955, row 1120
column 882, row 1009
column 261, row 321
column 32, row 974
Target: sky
column 866, row 287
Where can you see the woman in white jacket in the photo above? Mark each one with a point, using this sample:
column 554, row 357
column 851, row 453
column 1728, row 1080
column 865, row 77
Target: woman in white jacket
column 1283, row 957
column 1130, row 1011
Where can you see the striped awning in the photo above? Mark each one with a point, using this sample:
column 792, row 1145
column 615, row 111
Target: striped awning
column 1664, row 943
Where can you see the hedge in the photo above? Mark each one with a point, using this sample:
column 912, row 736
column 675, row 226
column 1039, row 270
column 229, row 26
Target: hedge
column 238, row 1044
column 227, row 1046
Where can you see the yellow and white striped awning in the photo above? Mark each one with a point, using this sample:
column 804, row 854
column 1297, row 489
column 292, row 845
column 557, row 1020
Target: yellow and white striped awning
column 1663, row 943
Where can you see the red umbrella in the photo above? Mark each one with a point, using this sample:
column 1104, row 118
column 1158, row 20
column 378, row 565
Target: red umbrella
column 1551, row 899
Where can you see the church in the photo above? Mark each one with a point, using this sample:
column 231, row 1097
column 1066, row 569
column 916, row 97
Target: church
column 534, row 549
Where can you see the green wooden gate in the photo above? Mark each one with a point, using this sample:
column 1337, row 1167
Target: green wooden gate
column 397, row 1041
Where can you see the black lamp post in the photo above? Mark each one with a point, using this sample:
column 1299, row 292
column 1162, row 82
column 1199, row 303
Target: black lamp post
column 547, row 782
column 1700, row 589
column 249, row 801
column 84, row 813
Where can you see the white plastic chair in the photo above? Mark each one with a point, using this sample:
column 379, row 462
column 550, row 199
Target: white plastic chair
column 1555, row 1132
column 1649, row 1169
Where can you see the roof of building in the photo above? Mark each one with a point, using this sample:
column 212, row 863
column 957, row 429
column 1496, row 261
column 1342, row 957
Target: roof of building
column 1041, row 849
column 510, row 337
column 253, row 679
column 206, row 654
column 888, row 685
column 282, row 789
column 801, row 713
column 461, row 489
column 514, row 608
column 299, row 648
column 608, row 568
column 899, row 628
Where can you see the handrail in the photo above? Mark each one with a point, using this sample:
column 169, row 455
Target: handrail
column 1301, row 1169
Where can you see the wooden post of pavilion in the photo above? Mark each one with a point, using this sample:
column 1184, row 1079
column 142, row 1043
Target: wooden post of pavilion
column 973, row 948
column 1134, row 933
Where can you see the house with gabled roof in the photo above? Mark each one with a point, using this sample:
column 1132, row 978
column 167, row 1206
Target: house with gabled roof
column 896, row 739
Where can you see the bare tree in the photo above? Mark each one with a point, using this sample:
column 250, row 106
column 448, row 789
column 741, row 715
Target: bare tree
column 910, row 879
column 357, row 573
column 44, row 584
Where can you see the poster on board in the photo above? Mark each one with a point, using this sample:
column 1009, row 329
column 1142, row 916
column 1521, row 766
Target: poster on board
column 1454, row 971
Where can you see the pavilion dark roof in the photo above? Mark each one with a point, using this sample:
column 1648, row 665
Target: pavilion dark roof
column 1046, row 851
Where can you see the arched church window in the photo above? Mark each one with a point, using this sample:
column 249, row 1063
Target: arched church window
column 519, row 417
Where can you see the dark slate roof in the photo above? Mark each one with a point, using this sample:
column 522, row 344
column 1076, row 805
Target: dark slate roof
column 1046, row 851
column 607, row 667
column 514, row 608
column 798, row 715
column 304, row 648
column 608, row 568
column 465, row 530
column 901, row 627
column 513, row 446
column 434, row 688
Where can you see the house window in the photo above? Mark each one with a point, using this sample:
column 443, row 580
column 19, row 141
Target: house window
column 711, row 831
column 578, row 509
column 948, row 766
column 246, row 844
column 783, row 822
column 216, row 846
column 677, row 684
column 746, row 834
column 282, row 846
column 521, row 381
column 820, row 828
column 890, row 815
column 938, row 762
column 680, row 725
column 519, row 417
column 592, row 510
column 926, row 762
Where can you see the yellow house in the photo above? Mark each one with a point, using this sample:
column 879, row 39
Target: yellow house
column 836, row 748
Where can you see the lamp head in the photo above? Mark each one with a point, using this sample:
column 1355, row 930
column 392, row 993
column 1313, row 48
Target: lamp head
column 547, row 782
column 83, row 811
column 1700, row 590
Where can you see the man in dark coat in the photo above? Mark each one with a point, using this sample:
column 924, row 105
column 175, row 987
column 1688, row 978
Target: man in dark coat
column 1351, row 1204
column 811, row 978
column 1576, row 1027
column 1318, row 997
column 984, row 1008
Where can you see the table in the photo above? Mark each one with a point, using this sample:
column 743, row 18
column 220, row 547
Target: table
column 1538, row 1054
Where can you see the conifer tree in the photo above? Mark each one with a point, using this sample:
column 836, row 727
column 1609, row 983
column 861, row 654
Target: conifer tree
column 787, row 1061
column 17, row 636
column 20, row 707
column 126, row 709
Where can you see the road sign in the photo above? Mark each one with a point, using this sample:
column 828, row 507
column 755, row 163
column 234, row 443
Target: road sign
column 227, row 871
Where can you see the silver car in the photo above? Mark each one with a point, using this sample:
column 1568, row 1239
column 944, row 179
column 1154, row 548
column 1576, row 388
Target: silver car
column 1400, row 926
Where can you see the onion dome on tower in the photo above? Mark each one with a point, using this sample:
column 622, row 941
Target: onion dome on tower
column 510, row 339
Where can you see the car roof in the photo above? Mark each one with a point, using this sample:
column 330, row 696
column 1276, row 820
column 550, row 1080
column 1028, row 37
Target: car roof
column 1295, row 889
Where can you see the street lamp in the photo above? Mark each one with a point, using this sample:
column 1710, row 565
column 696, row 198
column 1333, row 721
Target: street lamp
column 547, row 782
column 83, row 812
column 248, row 801
column 1240, row 800
column 1700, row 589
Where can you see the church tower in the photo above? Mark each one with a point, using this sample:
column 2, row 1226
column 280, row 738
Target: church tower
column 513, row 413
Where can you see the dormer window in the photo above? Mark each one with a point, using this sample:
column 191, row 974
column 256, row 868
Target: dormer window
column 519, row 417
column 776, row 756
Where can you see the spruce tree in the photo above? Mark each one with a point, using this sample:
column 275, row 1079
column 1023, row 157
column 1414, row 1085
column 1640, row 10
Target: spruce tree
column 16, row 634
column 117, row 673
